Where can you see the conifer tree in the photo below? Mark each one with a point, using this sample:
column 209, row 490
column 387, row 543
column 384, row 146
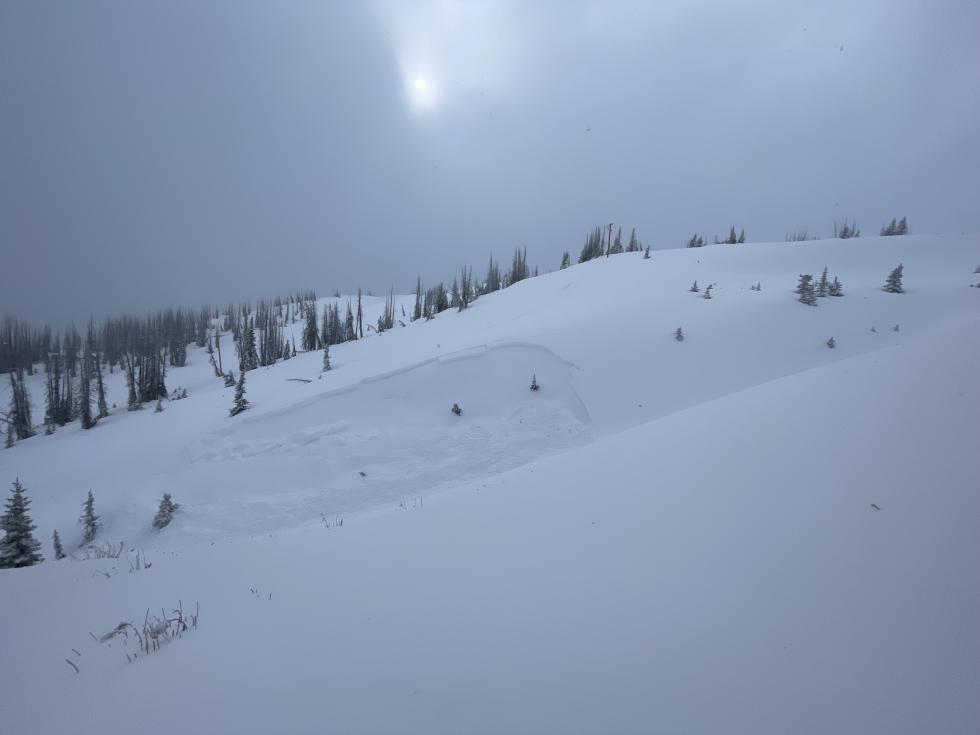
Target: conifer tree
column 566, row 261
column 805, row 290
column 707, row 291
column 360, row 317
column 634, row 245
column 646, row 253
column 679, row 335
column 836, row 289
column 694, row 288
column 18, row 548
column 617, row 246
column 741, row 236
column 103, row 404
column 417, row 311
column 59, row 550
column 311, row 335
column 534, row 382
column 89, row 521
column 229, row 379
column 831, row 343
column 165, row 513
column 326, row 357
column 823, row 286
column 9, row 442
column 894, row 282
column 241, row 403
column 85, row 392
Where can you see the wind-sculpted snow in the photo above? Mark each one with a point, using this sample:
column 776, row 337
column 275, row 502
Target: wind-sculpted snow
column 385, row 438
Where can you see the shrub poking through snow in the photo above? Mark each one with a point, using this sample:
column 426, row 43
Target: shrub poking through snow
column 18, row 548
column 646, row 253
column 229, row 379
column 707, row 291
column 805, row 289
column 155, row 631
column 893, row 284
column 165, row 513
column 836, row 289
column 679, row 335
column 457, row 410
column 831, row 343
column 534, row 382
column 694, row 287
column 89, row 521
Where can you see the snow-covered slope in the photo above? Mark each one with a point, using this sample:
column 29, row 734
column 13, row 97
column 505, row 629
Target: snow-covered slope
column 668, row 537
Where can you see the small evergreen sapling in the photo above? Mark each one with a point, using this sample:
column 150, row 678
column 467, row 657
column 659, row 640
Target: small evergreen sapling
column 326, row 357
column 894, row 282
column 534, row 382
column 18, row 548
column 805, row 290
column 165, row 513
column 241, row 402
column 836, row 289
column 679, row 335
column 230, row 379
column 707, row 291
column 694, row 287
column 89, row 521
column 823, row 285
column 457, row 410
column 59, row 550
column 646, row 253
column 831, row 343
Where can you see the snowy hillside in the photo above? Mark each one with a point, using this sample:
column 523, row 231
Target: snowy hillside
column 745, row 531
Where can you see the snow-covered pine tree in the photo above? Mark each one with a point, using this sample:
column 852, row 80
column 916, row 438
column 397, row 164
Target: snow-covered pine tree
column 679, row 334
column 707, row 291
column 326, row 357
column 229, row 379
column 566, row 261
column 634, row 245
column 694, row 287
column 831, row 343
column 59, row 550
column 893, row 284
column 741, row 236
column 457, row 410
column 805, row 290
column 823, row 285
column 19, row 416
column 18, row 548
column 646, row 253
column 103, row 404
column 89, row 521
column 534, row 382
column 617, row 246
column 836, row 288
column 417, row 311
column 311, row 335
column 9, row 441
column 241, row 403
column 165, row 513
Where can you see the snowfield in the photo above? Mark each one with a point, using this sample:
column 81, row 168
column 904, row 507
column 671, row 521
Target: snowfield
column 743, row 532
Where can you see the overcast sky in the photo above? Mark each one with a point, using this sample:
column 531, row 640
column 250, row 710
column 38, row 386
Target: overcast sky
column 183, row 151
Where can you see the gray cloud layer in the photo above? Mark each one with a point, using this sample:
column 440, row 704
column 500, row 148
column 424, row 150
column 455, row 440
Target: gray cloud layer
column 175, row 152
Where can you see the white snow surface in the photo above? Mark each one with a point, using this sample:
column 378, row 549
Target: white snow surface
column 667, row 537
